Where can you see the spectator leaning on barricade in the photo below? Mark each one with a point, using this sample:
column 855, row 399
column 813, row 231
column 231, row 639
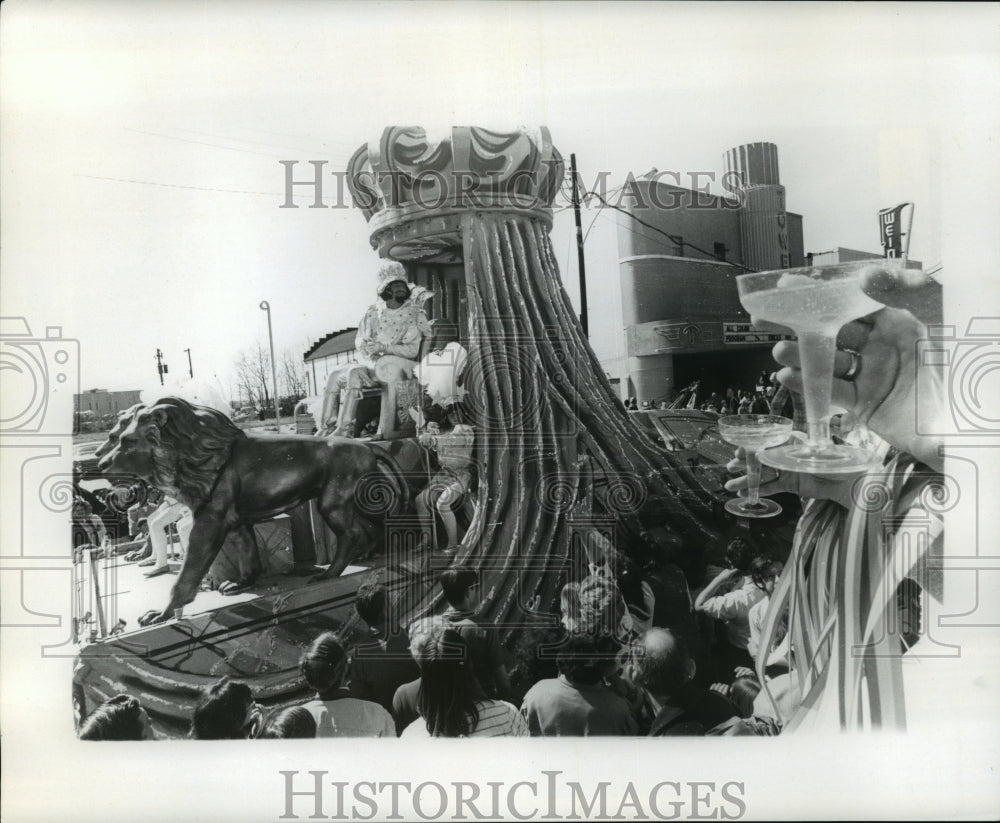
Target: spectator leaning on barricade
column 337, row 714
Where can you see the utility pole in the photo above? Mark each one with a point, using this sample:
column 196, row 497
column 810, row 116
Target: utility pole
column 579, row 247
column 161, row 367
column 190, row 370
column 265, row 306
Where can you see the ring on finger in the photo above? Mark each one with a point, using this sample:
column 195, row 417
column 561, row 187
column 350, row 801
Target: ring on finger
column 855, row 368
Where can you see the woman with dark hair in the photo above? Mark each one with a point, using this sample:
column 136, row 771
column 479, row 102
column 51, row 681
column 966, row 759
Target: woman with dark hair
column 226, row 711
column 451, row 701
column 294, row 722
column 337, row 714
column 743, row 692
column 120, row 718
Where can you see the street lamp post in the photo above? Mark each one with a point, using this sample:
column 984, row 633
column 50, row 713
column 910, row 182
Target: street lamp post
column 190, row 369
column 265, row 306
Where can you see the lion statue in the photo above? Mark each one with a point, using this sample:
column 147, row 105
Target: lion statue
column 231, row 480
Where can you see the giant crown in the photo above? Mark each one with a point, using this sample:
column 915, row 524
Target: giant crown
column 413, row 191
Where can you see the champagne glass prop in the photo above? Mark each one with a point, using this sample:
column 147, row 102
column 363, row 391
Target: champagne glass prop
column 814, row 302
column 754, row 432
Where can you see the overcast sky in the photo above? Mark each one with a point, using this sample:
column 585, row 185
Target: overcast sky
column 141, row 142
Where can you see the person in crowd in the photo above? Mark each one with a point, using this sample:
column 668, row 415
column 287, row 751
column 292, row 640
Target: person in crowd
column 729, row 598
column 121, row 717
column 405, row 700
column 382, row 663
column 579, row 702
column 138, row 524
column 388, row 342
column 595, row 605
column 636, row 592
column 772, row 385
column 743, row 692
column 759, row 404
column 338, row 714
column 534, row 654
column 294, row 722
column 765, row 571
column 226, row 711
column 460, row 585
column 660, row 664
column 88, row 524
column 450, row 700
column 169, row 512
column 745, row 402
column 674, row 609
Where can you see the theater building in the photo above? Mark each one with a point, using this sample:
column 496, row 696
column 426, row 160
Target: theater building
column 682, row 317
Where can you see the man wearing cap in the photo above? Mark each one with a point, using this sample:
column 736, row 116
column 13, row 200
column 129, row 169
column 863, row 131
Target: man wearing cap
column 388, row 342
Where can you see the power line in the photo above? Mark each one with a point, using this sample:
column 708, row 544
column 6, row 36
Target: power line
column 337, row 160
column 177, row 185
column 675, row 239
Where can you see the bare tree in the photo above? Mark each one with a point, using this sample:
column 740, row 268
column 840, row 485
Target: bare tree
column 253, row 373
column 292, row 373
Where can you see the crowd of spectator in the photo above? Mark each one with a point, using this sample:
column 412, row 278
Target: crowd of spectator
column 636, row 652
column 752, row 400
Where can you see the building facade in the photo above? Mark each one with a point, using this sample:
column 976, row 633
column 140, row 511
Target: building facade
column 326, row 354
column 102, row 401
column 680, row 310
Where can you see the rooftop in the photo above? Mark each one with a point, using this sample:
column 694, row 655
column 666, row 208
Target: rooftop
column 334, row 343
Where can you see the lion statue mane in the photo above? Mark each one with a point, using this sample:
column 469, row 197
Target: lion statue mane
column 191, row 445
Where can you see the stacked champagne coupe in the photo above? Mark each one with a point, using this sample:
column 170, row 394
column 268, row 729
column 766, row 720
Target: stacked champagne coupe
column 814, row 302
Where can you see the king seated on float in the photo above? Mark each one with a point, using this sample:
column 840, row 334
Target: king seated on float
column 388, row 344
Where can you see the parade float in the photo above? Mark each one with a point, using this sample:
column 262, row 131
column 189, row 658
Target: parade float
column 566, row 480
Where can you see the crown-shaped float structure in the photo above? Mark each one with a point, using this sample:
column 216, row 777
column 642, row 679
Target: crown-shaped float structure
column 414, row 190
